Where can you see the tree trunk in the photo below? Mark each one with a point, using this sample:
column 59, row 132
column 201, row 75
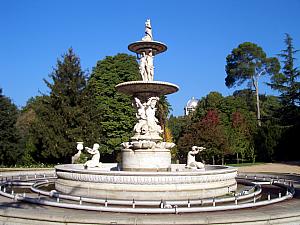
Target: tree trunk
column 213, row 160
column 255, row 84
column 222, row 160
column 237, row 158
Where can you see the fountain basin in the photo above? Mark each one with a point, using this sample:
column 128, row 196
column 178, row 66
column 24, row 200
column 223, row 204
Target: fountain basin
column 178, row 184
column 148, row 88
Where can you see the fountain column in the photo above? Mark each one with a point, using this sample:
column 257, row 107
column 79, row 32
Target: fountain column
column 146, row 151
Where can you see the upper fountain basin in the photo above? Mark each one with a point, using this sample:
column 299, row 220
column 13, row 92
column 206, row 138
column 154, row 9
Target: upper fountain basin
column 156, row 88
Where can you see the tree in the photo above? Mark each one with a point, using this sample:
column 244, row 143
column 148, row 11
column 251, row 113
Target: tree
column 26, row 119
column 9, row 137
column 287, row 82
column 207, row 132
column 163, row 110
column 249, row 62
column 177, row 126
column 59, row 116
column 117, row 114
column 240, row 140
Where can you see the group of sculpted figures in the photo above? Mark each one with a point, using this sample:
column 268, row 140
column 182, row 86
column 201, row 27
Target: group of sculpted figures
column 147, row 122
column 146, row 57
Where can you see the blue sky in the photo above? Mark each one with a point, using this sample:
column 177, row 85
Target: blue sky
column 199, row 35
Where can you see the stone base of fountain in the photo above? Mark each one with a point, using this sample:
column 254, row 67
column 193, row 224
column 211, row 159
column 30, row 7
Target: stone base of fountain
column 146, row 160
column 180, row 183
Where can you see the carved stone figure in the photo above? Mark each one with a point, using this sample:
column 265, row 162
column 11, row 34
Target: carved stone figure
column 147, row 122
column 142, row 67
column 191, row 158
column 149, row 66
column 148, row 31
column 95, row 161
column 151, row 119
column 146, row 66
column 141, row 126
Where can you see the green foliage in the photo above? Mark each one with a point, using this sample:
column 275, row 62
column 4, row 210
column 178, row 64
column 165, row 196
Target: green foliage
column 163, row 110
column 248, row 62
column 268, row 141
column 58, row 121
column 287, row 82
column 177, row 126
column 232, row 134
column 117, row 114
column 9, row 136
column 207, row 132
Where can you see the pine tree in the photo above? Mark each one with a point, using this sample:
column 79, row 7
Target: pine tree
column 288, row 83
column 59, row 116
column 249, row 62
column 9, row 147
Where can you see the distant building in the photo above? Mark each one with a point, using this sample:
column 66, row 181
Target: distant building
column 191, row 106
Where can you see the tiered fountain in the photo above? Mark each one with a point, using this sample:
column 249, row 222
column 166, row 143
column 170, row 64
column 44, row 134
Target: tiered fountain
column 146, row 182
column 146, row 172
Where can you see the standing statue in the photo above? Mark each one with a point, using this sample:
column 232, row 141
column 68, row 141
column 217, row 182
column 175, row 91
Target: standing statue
column 146, row 65
column 95, row 161
column 150, row 66
column 191, row 158
column 142, row 67
column 148, row 31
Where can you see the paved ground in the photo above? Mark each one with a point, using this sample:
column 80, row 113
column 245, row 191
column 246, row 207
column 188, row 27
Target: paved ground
column 287, row 212
column 291, row 168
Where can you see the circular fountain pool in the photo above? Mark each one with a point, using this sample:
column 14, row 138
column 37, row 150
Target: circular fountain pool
column 178, row 184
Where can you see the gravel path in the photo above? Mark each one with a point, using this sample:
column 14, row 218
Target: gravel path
column 290, row 168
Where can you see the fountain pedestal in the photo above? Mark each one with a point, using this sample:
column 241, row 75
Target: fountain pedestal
column 146, row 160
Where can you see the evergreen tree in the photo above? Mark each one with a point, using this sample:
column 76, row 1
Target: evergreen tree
column 249, row 62
column 287, row 82
column 9, row 137
column 59, row 117
column 117, row 114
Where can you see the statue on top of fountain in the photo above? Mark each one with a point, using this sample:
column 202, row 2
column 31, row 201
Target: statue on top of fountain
column 147, row 122
column 191, row 158
column 148, row 31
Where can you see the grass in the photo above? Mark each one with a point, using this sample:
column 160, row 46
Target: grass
column 245, row 164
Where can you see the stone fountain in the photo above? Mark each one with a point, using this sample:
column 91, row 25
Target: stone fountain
column 146, row 172
column 146, row 151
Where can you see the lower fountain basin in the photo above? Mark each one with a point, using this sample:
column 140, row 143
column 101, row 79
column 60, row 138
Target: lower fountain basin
column 178, row 184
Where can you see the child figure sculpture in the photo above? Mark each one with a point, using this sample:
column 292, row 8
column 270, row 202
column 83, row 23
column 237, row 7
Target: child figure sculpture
column 95, row 161
column 191, row 158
